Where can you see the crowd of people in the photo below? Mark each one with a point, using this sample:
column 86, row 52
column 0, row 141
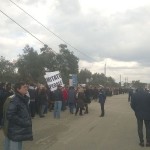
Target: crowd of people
column 39, row 100
column 42, row 100
column 20, row 104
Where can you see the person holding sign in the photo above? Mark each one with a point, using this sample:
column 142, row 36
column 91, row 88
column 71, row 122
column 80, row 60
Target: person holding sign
column 58, row 97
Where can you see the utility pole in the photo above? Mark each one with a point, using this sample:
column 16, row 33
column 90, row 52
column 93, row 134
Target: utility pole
column 125, row 82
column 105, row 69
column 120, row 79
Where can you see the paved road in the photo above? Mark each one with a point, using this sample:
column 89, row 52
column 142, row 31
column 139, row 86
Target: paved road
column 117, row 130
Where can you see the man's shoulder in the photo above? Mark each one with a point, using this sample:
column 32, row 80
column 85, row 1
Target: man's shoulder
column 12, row 99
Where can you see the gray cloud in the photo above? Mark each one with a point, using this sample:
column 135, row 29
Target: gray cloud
column 29, row 2
column 120, row 36
column 68, row 7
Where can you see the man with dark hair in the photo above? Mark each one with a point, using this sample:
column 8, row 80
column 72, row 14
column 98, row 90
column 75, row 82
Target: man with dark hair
column 130, row 93
column 102, row 98
column 17, row 121
column 140, row 103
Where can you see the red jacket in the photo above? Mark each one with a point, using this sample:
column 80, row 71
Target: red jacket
column 65, row 95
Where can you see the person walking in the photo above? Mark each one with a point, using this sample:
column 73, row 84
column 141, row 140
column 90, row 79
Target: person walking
column 43, row 101
column 140, row 103
column 32, row 94
column 65, row 98
column 71, row 99
column 130, row 93
column 58, row 97
column 80, row 96
column 87, row 99
column 102, row 98
column 17, row 125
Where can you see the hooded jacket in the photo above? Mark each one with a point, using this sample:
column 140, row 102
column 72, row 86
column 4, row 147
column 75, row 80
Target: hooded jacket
column 17, row 120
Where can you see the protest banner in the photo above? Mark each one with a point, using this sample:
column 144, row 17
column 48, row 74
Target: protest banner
column 73, row 80
column 53, row 79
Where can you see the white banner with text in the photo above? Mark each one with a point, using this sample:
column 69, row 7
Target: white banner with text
column 53, row 79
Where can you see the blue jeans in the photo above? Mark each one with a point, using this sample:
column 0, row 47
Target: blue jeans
column 12, row 145
column 57, row 109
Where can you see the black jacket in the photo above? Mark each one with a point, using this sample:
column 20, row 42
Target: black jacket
column 140, row 103
column 102, row 96
column 19, row 120
column 32, row 93
column 2, row 100
column 43, row 98
column 58, row 95
column 87, row 96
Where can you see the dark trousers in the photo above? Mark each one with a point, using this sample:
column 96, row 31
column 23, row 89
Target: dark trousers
column 102, row 109
column 51, row 106
column 71, row 107
column 1, row 117
column 140, row 129
column 77, row 109
column 86, row 108
column 32, row 108
column 129, row 98
column 63, row 105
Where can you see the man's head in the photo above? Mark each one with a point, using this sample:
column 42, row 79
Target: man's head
column 21, row 87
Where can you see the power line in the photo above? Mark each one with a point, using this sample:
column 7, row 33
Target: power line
column 50, row 30
column 45, row 28
column 21, row 26
column 24, row 28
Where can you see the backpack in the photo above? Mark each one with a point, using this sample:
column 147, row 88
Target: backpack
column 5, row 122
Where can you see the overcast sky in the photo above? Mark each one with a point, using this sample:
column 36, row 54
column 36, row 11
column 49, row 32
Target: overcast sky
column 111, row 32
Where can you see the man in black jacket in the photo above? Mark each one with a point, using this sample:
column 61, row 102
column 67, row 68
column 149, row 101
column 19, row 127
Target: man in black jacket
column 17, row 121
column 58, row 97
column 102, row 99
column 140, row 103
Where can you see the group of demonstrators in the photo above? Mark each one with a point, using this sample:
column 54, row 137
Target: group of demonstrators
column 18, row 105
column 22, row 102
column 41, row 99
